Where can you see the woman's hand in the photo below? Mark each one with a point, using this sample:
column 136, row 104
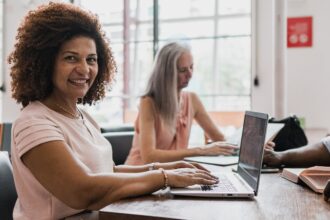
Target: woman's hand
column 271, row 157
column 219, row 148
column 179, row 164
column 184, row 177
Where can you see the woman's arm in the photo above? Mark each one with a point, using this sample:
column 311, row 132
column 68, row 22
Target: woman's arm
column 155, row 166
column 56, row 168
column 147, row 140
column 204, row 120
column 132, row 169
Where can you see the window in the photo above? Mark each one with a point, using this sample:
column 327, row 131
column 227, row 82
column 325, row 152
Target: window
column 218, row 31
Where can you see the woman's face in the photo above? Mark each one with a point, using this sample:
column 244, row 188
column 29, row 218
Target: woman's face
column 185, row 69
column 75, row 68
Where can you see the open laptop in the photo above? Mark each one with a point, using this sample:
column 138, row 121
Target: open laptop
column 245, row 182
column 221, row 160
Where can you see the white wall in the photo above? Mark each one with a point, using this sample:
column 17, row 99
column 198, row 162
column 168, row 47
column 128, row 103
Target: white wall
column 264, row 53
column 13, row 13
column 308, row 69
column 269, row 37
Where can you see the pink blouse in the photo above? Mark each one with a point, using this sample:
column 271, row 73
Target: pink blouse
column 166, row 139
column 39, row 124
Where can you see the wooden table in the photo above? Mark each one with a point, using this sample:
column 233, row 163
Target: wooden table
column 277, row 199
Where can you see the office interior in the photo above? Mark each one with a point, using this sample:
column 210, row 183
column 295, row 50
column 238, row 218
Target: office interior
column 242, row 58
column 247, row 57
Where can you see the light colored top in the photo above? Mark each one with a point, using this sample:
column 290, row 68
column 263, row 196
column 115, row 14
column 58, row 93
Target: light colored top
column 38, row 124
column 166, row 139
column 326, row 142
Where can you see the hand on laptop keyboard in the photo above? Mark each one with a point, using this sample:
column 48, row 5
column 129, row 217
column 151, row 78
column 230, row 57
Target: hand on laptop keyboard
column 219, row 148
column 224, row 185
column 184, row 177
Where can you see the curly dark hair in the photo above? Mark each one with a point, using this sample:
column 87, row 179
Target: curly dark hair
column 39, row 39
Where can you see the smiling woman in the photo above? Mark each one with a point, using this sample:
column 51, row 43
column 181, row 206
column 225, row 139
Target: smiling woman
column 62, row 164
column 74, row 73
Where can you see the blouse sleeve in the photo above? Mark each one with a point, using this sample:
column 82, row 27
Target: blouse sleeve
column 30, row 133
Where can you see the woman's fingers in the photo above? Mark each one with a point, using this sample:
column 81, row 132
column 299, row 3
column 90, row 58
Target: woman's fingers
column 188, row 176
column 202, row 181
column 202, row 177
column 198, row 166
column 194, row 171
column 225, row 145
column 206, row 176
column 219, row 151
column 227, row 151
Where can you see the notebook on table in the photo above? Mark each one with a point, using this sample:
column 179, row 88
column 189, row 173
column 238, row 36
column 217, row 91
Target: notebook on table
column 245, row 182
column 272, row 130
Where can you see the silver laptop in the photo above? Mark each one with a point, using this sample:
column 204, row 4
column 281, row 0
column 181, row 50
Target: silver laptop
column 245, row 182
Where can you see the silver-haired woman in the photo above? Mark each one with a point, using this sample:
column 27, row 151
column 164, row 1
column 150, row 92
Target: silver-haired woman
column 166, row 113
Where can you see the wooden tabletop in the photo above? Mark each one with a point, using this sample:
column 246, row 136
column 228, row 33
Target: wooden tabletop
column 277, row 199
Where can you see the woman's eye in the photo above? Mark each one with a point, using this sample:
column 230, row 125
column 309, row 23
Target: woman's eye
column 70, row 58
column 92, row 60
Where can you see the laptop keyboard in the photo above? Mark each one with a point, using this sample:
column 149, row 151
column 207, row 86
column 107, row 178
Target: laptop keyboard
column 224, row 185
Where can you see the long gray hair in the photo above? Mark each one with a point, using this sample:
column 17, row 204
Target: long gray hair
column 163, row 82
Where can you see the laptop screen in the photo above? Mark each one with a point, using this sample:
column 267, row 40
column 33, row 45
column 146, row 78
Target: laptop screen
column 252, row 146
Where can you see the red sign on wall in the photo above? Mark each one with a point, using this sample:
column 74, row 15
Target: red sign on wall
column 300, row 32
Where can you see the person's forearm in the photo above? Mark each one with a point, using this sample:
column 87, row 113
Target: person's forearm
column 171, row 155
column 217, row 136
column 212, row 132
column 131, row 169
column 315, row 154
column 124, row 186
